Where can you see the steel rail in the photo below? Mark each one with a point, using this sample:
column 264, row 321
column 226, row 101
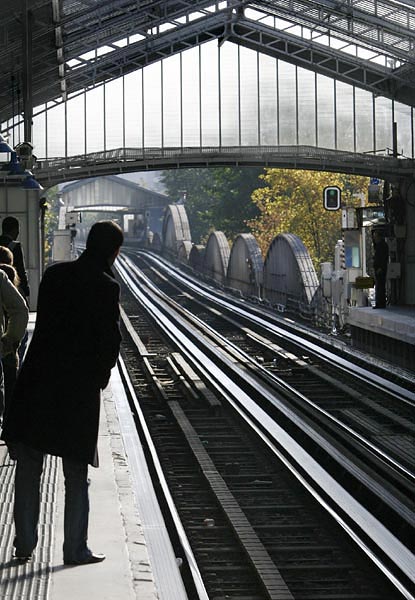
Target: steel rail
column 253, row 315
column 294, row 394
column 134, row 446
column 232, row 357
column 374, row 538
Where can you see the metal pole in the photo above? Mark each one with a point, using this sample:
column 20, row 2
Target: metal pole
column 395, row 139
column 27, row 22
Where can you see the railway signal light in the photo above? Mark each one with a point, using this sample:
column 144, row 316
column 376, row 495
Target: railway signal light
column 332, row 197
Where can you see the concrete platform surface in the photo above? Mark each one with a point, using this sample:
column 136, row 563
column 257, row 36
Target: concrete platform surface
column 397, row 322
column 115, row 529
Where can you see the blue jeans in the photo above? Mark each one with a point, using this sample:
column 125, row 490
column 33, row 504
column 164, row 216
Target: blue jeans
column 27, row 503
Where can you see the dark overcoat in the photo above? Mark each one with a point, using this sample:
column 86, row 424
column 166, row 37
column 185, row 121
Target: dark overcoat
column 56, row 402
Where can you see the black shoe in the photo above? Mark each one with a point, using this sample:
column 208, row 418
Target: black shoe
column 88, row 560
column 22, row 558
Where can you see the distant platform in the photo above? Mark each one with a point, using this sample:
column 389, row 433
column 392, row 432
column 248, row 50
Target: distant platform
column 385, row 332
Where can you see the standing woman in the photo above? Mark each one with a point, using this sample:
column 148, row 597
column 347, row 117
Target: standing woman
column 10, row 361
column 12, row 330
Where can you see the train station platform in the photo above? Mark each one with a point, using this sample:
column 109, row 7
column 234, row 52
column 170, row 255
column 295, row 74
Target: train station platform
column 117, row 527
column 388, row 333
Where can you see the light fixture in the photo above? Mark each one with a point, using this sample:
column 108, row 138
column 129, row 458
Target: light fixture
column 15, row 167
column 30, row 183
column 4, row 146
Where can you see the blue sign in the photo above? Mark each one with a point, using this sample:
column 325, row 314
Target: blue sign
column 374, row 180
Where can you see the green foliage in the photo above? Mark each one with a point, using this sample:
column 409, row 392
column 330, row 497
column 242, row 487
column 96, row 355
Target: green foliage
column 292, row 202
column 218, row 198
column 51, row 219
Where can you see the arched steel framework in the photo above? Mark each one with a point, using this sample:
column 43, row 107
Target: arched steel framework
column 216, row 257
column 245, row 265
column 289, row 274
column 184, row 251
column 126, row 85
column 176, row 228
column 196, row 257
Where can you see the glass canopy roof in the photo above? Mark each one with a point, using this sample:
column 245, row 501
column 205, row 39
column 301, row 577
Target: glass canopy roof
column 51, row 49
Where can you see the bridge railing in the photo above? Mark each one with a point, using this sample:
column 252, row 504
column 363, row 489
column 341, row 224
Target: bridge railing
column 310, row 157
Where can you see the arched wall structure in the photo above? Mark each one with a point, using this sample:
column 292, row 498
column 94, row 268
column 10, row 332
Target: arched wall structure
column 246, row 265
column 289, row 275
column 176, row 228
column 196, row 257
column 184, row 250
column 156, row 242
column 216, row 259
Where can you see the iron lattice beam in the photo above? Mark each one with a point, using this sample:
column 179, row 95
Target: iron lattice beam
column 388, row 29
column 397, row 85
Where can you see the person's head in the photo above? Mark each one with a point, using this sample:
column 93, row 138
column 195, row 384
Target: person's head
column 11, row 273
column 6, row 256
column 10, row 227
column 105, row 239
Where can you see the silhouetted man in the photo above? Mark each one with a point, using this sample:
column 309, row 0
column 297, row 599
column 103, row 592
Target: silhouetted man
column 56, row 402
column 380, row 266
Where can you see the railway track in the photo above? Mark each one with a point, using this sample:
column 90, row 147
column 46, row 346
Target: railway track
column 382, row 412
column 274, row 506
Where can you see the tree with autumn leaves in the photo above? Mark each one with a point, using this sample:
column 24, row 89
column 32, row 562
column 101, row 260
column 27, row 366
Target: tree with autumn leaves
column 292, row 202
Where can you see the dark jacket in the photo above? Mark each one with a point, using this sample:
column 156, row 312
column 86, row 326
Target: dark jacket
column 18, row 262
column 380, row 257
column 56, row 402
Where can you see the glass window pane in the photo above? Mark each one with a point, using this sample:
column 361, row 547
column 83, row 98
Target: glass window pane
column 133, row 101
column 287, row 102
column 75, row 108
column 383, row 125
column 325, row 112
column 344, row 115
column 56, row 131
column 268, row 100
column 95, row 120
column 402, row 117
column 249, row 96
column 39, row 135
column 306, row 107
column 15, row 130
column 114, row 107
column 229, row 94
column 191, row 97
column 171, row 102
column 210, row 94
column 364, row 120
column 152, row 106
